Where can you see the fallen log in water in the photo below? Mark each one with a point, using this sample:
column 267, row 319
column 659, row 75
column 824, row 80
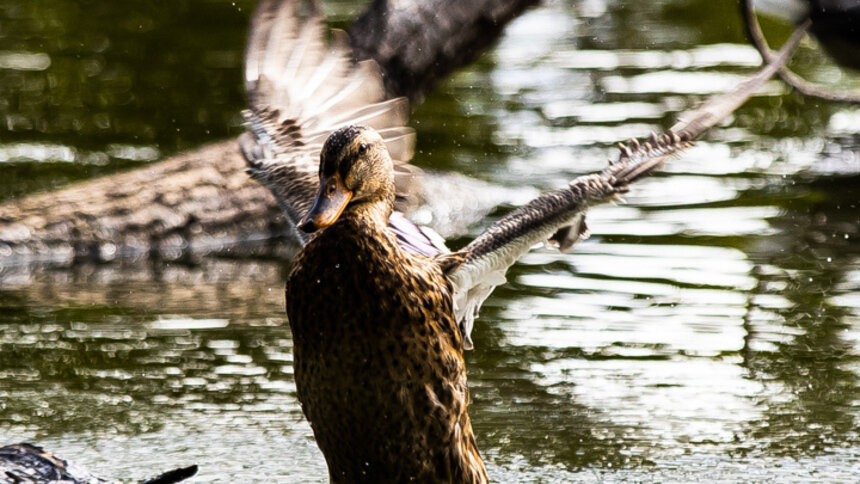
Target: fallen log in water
column 199, row 196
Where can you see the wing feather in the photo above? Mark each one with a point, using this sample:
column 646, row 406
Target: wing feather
column 300, row 89
column 559, row 216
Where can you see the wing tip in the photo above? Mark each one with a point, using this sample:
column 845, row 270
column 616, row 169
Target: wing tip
column 173, row 476
column 654, row 145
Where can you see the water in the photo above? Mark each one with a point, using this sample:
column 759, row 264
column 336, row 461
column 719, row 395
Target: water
column 709, row 329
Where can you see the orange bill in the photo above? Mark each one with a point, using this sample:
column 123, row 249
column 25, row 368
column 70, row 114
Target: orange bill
column 332, row 198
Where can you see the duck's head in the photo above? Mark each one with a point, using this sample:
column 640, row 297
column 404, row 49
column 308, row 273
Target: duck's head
column 355, row 170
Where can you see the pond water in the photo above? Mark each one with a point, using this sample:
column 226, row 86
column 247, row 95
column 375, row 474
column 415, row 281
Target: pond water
column 708, row 331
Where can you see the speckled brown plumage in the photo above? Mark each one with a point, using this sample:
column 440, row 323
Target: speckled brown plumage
column 378, row 359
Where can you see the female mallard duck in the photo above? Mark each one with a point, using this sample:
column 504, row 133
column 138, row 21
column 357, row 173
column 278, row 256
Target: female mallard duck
column 28, row 464
column 378, row 355
column 380, row 312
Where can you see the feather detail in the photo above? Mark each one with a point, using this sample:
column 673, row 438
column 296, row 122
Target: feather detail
column 300, row 90
column 559, row 216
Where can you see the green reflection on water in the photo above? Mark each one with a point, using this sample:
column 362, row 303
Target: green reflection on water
column 159, row 74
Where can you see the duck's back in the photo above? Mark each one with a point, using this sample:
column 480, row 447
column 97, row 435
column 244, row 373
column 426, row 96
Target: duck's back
column 378, row 360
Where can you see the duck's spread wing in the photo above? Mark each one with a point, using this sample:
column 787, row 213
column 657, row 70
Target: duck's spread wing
column 559, row 216
column 299, row 90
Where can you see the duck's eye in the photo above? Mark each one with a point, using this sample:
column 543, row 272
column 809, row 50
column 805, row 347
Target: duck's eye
column 362, row 147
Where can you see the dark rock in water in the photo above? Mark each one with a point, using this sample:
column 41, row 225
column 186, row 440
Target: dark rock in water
column 836, row 23
column 28, row 464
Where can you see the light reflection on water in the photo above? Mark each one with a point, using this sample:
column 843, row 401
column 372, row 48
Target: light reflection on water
column 710, row 327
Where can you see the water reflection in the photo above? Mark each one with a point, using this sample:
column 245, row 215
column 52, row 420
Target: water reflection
column 113, row 84
column 710, row 325
column 809, row 371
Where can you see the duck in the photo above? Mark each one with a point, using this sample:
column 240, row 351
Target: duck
column 380, row 309
column 301, row 87
column 26, row 463
column 378, row 354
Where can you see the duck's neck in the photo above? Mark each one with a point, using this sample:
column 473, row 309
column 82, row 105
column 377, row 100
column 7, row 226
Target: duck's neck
column 376, row 211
